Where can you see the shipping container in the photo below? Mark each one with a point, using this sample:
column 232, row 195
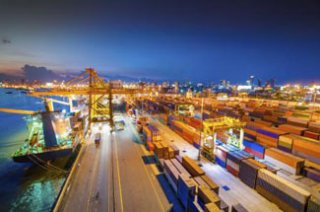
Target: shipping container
column 221, row 153
column 254, row 148
column 292, row 129
column 234, row 159
column 312, row 173
column 211, row 207
column 299, row 122
column 190, row 134
column 180, row 168
column 238, row 208
column 285, row 161
column 270, row 132
column 314, row 126
column 286, row 195
column 254, row 125
column 307, row 148
column 158, row 150
column 212, row 185
column 310, row 134
column 249, row 171
column 250, row 133
column 206, row 195
column 267, row 141
column 285, row 143
column 194, row 206
column 192, row 167
column 171, row 173
column 186, row 190
column 150, row 146
column 313, row 205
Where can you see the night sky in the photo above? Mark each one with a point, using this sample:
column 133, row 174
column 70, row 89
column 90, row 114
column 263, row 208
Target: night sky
column 186, row 40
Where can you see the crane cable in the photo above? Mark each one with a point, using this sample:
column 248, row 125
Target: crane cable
column 48, row 168
column 50, row 165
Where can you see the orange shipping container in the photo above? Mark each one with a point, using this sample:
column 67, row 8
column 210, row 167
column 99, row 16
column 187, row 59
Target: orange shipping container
column 250, row 132
column 307, row 146
column 266, row 140
column 265, row 123
column 296, row 163
column 292, row 129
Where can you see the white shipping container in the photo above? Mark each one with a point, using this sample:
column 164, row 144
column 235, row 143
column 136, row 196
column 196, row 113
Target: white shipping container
column 172, row 183
column 280, row 165
column 232, row 164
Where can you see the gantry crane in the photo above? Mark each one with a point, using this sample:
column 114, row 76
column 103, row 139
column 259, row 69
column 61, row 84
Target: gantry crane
column 100, row 94
column 210, row 129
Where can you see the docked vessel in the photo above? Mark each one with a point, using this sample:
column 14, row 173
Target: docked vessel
column 50, row 137
column 51, row 134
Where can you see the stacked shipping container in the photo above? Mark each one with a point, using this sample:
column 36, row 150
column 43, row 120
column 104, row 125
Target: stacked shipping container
column 286, row 195
column 254, row 148
column 306, row 148
column 284, row 160
column 221, row 153
column 188, row 133
column 249, row 171
column 234, row 160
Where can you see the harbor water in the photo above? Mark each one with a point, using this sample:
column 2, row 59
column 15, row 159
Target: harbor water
column 24, row 187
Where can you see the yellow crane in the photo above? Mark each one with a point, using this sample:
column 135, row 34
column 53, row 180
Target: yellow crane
column 100, row 94
column 210, row 129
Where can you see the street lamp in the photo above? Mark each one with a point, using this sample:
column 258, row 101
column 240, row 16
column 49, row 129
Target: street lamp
column 200, row 143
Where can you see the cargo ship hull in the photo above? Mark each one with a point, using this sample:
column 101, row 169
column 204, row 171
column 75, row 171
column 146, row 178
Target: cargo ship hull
column 43, row 156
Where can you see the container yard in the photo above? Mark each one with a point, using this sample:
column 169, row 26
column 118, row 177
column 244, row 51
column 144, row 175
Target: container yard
column 277, row 158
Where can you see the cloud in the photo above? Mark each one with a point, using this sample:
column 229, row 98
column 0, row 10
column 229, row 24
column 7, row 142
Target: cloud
column 5, row 41
column 42, row 74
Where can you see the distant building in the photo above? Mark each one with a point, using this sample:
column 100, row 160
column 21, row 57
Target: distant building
column 176, row 87
column 259, row 83
column 165, row 84
column 116, row 84
column 224, row 83
column 189, row 94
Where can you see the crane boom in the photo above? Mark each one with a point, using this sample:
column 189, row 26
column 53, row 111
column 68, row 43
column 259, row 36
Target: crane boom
column 17, row 111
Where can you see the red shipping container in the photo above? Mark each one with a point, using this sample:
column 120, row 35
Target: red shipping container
column 254, row 152
column 150, row 146
column 312, row 135
column 232, row 171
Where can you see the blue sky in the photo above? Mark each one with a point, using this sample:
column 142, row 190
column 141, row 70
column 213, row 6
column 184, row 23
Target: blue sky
column 192, row 40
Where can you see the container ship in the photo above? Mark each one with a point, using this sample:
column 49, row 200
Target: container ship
column 50, row 137
column 51, row 134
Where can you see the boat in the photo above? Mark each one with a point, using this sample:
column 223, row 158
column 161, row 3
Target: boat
column 50, row 137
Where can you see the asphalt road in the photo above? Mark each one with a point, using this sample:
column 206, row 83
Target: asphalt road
column 114, row 177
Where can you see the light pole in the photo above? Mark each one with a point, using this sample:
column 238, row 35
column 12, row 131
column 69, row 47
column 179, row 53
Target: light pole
column 200, row 143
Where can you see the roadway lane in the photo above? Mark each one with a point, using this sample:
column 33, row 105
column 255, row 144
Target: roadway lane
column 91, row 184
column 141, row 190
column 113, row 177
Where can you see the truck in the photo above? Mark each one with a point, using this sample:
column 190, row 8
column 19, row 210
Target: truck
column 97, row 139
column 119, row 125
